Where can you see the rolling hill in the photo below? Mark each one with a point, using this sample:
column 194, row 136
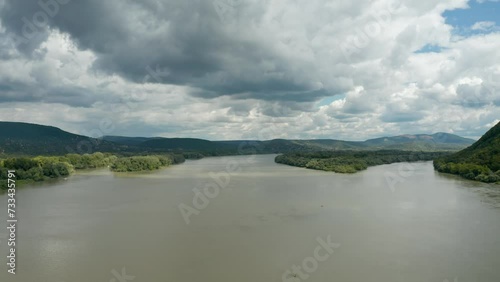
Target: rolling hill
column 480, row 161
column 425, row 142
column 421, row 142
column 130, row 141
column 17, row 138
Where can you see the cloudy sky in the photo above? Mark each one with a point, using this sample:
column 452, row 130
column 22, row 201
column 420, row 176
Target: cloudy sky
column 229, row 69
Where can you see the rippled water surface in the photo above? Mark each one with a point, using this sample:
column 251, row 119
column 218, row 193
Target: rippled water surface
column 266, row 218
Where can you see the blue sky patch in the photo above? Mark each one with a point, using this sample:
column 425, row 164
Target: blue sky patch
column 430, row 48
column 329, row 100
column 463, row 20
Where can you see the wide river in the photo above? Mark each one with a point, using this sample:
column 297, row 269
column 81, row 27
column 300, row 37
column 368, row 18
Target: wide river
column 261, row 221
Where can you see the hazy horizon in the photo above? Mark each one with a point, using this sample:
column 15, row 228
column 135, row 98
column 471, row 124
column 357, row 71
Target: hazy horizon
column 249, row 139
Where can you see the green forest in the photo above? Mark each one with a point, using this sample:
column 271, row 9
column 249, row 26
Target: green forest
column 37, row 152
column 43, row 167
column 352, row 161
column 25, row 139
column 144, row 163
column 480, row 161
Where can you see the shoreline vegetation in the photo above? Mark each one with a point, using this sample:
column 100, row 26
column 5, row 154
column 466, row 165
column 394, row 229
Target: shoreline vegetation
column 40, row 152
column 41, row 168
column 480, row 161
column 352, row 161
column 145, row 163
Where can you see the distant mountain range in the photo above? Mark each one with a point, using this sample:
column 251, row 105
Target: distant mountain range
column 422, row 142
column 31, row 139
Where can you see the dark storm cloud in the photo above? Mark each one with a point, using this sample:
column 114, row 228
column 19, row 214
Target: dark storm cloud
column 187, row 38
column 76, row 97
column 72, row 96
column 15, row 92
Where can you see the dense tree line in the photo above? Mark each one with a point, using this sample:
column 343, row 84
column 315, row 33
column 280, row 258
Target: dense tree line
column 37, row 169
column 42, row 167
column 470, row 171
column 95, row 160
column 480, row 162
column 143, row 163
column 193, row 156
column 352, row 161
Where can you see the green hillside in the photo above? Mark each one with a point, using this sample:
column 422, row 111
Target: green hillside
column 422, row 142
column 17, row 138
column 130, row 141
column 180, row 144
column 480, row 161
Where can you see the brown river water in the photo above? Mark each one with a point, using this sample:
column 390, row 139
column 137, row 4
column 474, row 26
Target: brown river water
column 254, row 220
